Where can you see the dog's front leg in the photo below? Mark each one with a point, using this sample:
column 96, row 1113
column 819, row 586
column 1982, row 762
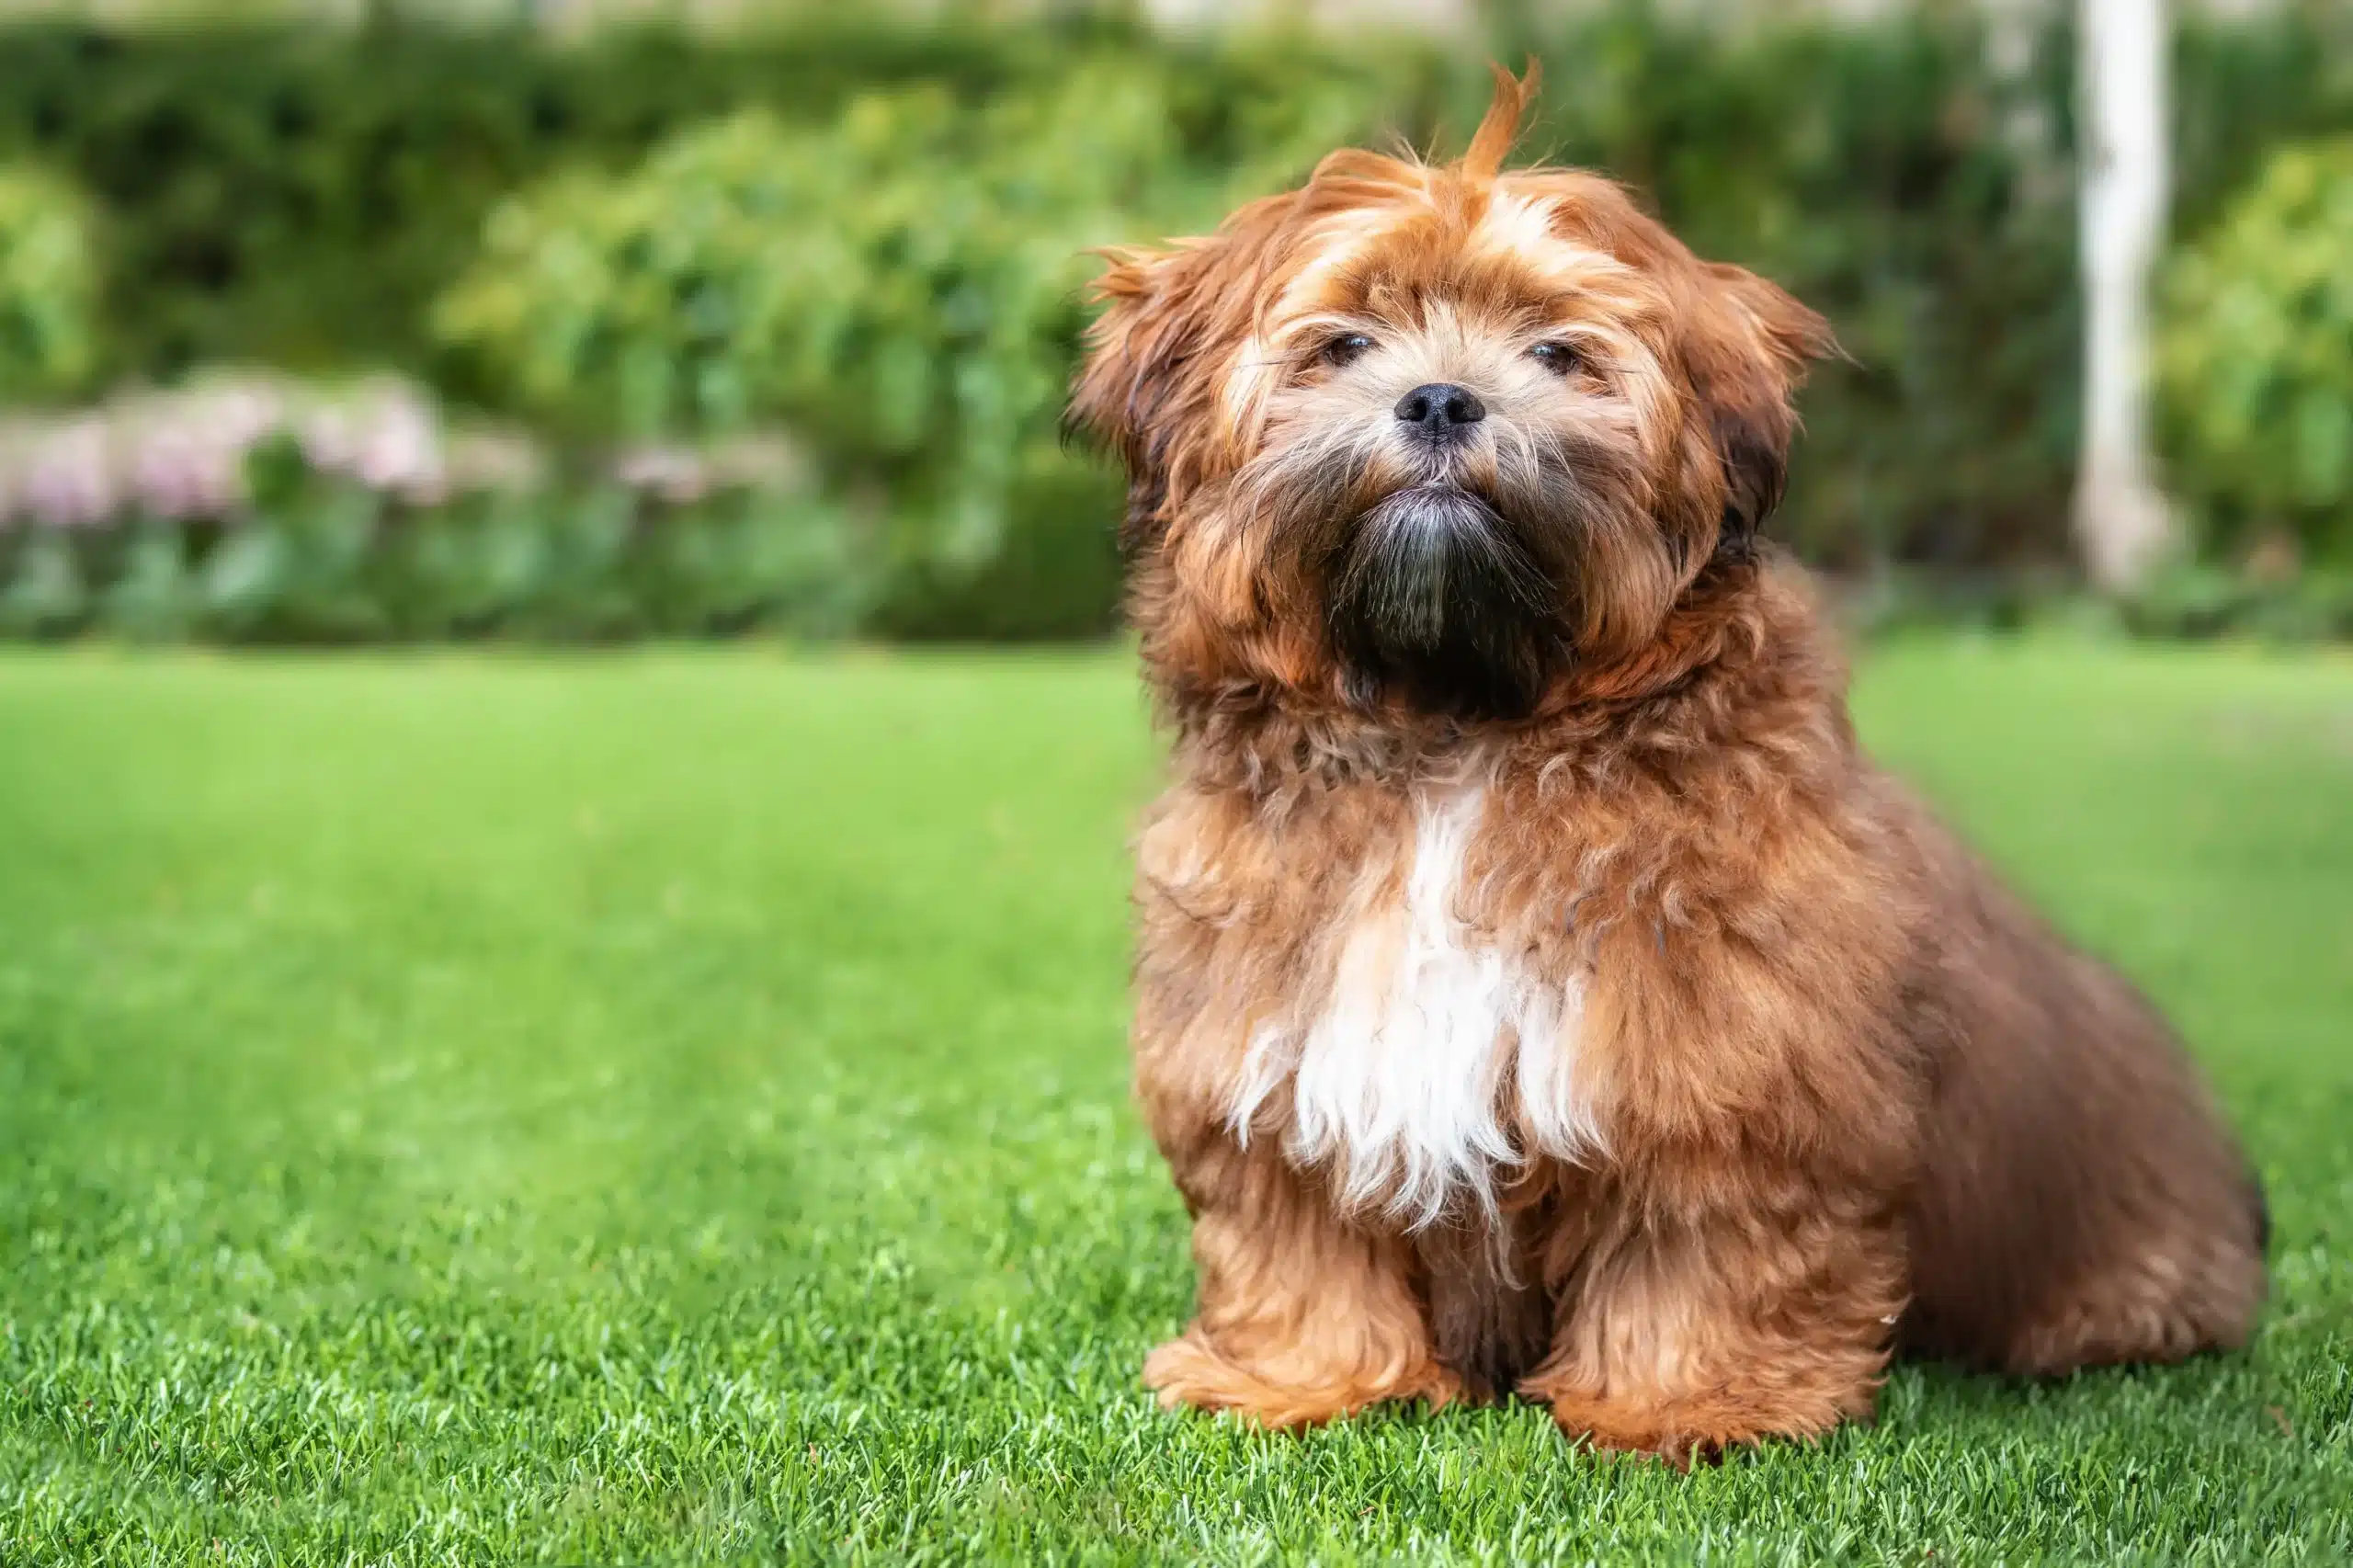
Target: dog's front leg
column 1686, row 1334
column 1303, row 1317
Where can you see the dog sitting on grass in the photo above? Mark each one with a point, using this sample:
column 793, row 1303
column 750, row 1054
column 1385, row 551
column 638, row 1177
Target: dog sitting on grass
column 1539, row 989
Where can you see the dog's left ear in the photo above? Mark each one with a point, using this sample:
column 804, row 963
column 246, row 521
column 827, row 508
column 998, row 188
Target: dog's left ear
column 1747, row 359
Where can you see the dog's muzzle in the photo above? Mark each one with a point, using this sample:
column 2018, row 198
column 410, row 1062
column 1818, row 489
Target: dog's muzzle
column 1434, row 595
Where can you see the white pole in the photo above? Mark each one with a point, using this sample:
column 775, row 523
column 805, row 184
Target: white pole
column 2121, row 520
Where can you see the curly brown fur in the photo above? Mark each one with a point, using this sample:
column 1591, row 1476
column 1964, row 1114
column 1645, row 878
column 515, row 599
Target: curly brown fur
column 1537, row 985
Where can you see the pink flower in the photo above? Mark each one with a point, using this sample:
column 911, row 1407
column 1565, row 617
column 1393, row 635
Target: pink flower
column 67, row 482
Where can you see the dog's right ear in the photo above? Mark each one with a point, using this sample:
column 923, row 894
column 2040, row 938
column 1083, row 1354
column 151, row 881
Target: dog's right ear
column 1137, row 352
column 1150, row 387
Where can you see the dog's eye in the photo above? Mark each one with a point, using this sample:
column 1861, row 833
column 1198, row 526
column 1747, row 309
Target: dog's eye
column 1557, row 358
column 1346, row 348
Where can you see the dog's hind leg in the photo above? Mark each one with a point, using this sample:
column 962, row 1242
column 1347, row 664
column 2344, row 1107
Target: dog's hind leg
column 2081, row 1203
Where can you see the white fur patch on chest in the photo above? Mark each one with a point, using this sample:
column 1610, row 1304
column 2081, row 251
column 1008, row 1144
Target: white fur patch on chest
column 1436, row 1062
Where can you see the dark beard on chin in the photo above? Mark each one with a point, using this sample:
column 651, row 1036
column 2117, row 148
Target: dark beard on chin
column 1433, row 600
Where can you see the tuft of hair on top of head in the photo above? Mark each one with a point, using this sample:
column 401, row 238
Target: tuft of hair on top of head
column 1484, row 160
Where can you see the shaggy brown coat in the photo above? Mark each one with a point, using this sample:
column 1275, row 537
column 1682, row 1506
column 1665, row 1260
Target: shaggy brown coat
column 1818, row 1085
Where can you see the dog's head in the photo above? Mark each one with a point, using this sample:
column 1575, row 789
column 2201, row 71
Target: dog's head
column 1433, row 435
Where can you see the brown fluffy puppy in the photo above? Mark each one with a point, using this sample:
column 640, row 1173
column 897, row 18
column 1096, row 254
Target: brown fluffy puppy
column 1539, row 988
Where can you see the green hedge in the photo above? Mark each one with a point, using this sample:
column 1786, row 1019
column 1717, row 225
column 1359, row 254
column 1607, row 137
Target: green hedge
column 2256, row 364
column 303, row 198
column 48, row 277
column 298, row 196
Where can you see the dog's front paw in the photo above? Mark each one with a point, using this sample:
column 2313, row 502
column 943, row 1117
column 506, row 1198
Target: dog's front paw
column 1683, row 1430
column 1188, row 1371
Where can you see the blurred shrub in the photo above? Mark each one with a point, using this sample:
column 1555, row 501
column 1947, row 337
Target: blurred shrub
column 295, row 196
column 254, row 509
column 325, row 560
column 2197, row 600
column 2255, row 360
column 48, row 286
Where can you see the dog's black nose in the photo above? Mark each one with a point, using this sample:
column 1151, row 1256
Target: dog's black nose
column 1439, row 406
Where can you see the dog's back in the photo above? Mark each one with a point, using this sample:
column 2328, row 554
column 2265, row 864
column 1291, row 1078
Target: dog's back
column 2080, row 1202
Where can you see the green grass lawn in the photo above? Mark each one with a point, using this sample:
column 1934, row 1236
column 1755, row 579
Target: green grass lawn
column 671, row 1106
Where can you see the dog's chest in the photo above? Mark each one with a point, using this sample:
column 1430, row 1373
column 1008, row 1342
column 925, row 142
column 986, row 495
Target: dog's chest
column 1426, row 1056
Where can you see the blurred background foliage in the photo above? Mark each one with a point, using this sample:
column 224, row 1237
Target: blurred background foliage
column 2256, row 365
column 862, row 244
column 48, row 284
